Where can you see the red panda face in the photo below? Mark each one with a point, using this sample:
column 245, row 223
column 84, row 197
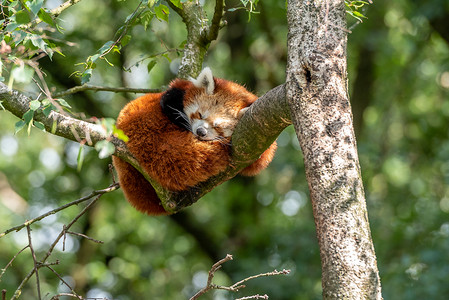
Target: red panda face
column 210, row 119
column 214, row 113
column 208, row 107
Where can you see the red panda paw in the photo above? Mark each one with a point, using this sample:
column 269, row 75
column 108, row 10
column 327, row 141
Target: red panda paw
column 260, row 164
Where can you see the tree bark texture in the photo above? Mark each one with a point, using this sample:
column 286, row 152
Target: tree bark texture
column 317, row 93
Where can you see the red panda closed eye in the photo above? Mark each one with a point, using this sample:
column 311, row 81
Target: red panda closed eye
column 182, row 137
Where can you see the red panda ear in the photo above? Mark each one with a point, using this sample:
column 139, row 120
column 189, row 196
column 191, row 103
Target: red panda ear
column 242, row 111
column 205, row 80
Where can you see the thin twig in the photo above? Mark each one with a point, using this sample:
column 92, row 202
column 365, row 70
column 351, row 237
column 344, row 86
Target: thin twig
column 11, row 261
column 36, row 271
column 217, row 266
column 45, row 90
column 88, row 87
column 57, row 297
column 126, row 26
column 52, row 246
column 85, row 236
column 110, row 188
column 236, row 286
column 50, row 250
column 167, row 50
column 212, row 271
column 54, row 12
column 63, row 281
column 254, row 297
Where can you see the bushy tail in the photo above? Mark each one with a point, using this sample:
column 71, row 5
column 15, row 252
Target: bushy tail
column 260, row 164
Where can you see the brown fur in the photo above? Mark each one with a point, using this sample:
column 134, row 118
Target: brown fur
column 173, row 156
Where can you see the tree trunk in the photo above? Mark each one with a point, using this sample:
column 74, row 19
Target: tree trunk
column 318, row 97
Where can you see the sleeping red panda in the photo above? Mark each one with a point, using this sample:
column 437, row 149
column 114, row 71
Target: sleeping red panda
column 182, row 137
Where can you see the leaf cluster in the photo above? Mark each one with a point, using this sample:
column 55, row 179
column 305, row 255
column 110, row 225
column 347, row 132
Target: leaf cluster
column 143, row 15
column 22, row 39
column 249, row 6
column 355, row 9
column 45, row 106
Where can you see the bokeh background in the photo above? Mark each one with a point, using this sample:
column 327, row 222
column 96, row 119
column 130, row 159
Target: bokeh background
column 398, row 64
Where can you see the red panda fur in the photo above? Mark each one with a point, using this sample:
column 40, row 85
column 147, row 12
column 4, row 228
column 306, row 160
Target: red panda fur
column 171, row 155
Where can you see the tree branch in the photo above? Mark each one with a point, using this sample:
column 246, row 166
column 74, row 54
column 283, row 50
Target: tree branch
column 111, row 188
column 236, row 286
column 65, row 126
column 216, row 20
column 96, row 88
column 199, row 35
column 55, row 12
column 257, row 129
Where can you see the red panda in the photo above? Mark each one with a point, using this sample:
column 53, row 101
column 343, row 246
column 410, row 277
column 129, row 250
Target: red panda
column 182, row 137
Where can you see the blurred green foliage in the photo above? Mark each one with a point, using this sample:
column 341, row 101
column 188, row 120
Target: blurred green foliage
column 398, row 61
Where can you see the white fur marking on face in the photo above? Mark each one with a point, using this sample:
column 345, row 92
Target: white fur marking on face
column 205, row 80
column 191, row 109
column 210, row 133
column 221, row 122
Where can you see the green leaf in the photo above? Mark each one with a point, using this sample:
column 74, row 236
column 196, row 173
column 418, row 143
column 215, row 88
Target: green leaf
column 46, row 17
column 19, row 126
column 35, row 104
column 54, row 126
column 125, row 40
column 46, row 102
column 22, row 17
column 105, row 47
column 183, row 44
column 35, row 6
column 86, row 76
column 39, row 125
column 22, row 74
column 167, row 57
column 63, row 103
column 29, row 128
column 145, row 18
column 18, row 36
column 104, row 148
column 28, row 116
column 111, row 64
column 80, row 158
column 38, row 42
column 93, row 58
column 356, row 13
column 151, row 65
column 162, row 12
column 150, row 3
column 118, row 133
column 11, row 26
column 176, row 3
column 59, row 28
column 47, row 110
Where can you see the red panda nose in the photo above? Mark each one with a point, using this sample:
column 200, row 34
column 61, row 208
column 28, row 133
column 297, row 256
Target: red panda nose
column 201, row 131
